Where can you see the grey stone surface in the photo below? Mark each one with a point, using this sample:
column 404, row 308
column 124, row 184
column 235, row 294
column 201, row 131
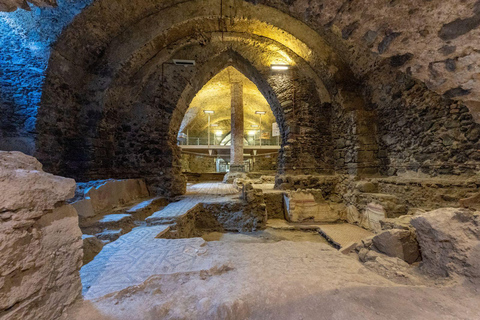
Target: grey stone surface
column 449, row 240
column 398, row 243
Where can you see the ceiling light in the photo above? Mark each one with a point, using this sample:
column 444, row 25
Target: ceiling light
column 214, row 125
column 218, row 133
column 208, row 111
column 260, row 112
column 185, row 63
column 280, row 67
column 254, row 125
column 251, row 133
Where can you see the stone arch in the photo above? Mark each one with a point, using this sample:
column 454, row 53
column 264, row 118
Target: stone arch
column 93, row 88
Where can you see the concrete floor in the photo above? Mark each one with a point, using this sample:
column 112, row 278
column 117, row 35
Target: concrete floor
column 276, row 274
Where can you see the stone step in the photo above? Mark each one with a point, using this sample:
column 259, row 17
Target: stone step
column 110, row 227
column 110, row 235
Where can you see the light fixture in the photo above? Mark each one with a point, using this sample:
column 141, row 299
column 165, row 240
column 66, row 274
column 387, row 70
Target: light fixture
column 254, row 125
column 214, row 125
column 218, row 133
column 280, row 67
column 185, row 63
column 251, row 133
column 208, row 111
column 260, row 112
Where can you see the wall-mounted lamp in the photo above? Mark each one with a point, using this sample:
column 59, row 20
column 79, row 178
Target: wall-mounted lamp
column 280, row 67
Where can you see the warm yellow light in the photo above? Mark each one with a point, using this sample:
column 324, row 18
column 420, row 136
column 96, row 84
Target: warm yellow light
column 281, row 67
column 251, row 133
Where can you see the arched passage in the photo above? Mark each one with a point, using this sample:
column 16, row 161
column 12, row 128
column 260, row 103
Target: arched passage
column 117, row 103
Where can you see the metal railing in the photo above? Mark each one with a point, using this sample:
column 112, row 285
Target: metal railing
column 202, row 141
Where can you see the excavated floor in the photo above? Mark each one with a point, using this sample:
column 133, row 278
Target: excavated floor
column 277, row 273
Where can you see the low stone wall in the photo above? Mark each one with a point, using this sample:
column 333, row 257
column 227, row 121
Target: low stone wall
column 40, row 241
column 96, row 197
column 429, row 193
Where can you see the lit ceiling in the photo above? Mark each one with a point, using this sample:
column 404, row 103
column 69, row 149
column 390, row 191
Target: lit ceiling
column 215, row 95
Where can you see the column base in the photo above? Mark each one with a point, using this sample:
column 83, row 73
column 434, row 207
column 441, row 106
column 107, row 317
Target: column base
column 237, row 168
column 236, row 171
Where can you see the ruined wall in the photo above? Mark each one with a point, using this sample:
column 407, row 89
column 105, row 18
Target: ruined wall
column 41, row 242
column 198, row 164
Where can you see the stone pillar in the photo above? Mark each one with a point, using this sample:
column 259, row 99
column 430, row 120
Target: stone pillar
column 236, row 149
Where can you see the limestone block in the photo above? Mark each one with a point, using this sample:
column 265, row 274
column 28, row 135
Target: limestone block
column 309, row 205
column 84, row 208
column 40, row 241
column 353, row 216
column 17, row 160
column 24, row 186
column 393, row 205
column 372, row 215
column 113, row 193
column 471, row 202
column 366, row 186
column 402, row 222
column 449, row 240
column 91, row 247
column 398, row 243
column 39, row 266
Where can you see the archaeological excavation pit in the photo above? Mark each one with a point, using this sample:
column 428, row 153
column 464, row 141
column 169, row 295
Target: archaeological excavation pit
column 234, row 159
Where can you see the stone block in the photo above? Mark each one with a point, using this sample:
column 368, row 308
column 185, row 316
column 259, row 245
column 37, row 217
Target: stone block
column 372, row 215
column 91, row 247
column 114, row 193
column 40, row 241
column 449, row 240
column 309, row 205
column 398, row 243
column 274, row 204
column 84, row 208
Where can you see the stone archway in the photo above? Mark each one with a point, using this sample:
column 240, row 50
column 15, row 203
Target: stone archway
column 114, row 114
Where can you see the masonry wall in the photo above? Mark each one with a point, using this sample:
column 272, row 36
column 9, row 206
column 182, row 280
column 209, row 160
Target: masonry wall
column 419, row 130
column 25, row 40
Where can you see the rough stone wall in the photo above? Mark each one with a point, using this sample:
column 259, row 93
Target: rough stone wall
column 421, row 131
column 198, row 164
column 41, row 244
column 435, row 41
column 265, row 163
column 25, row 40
